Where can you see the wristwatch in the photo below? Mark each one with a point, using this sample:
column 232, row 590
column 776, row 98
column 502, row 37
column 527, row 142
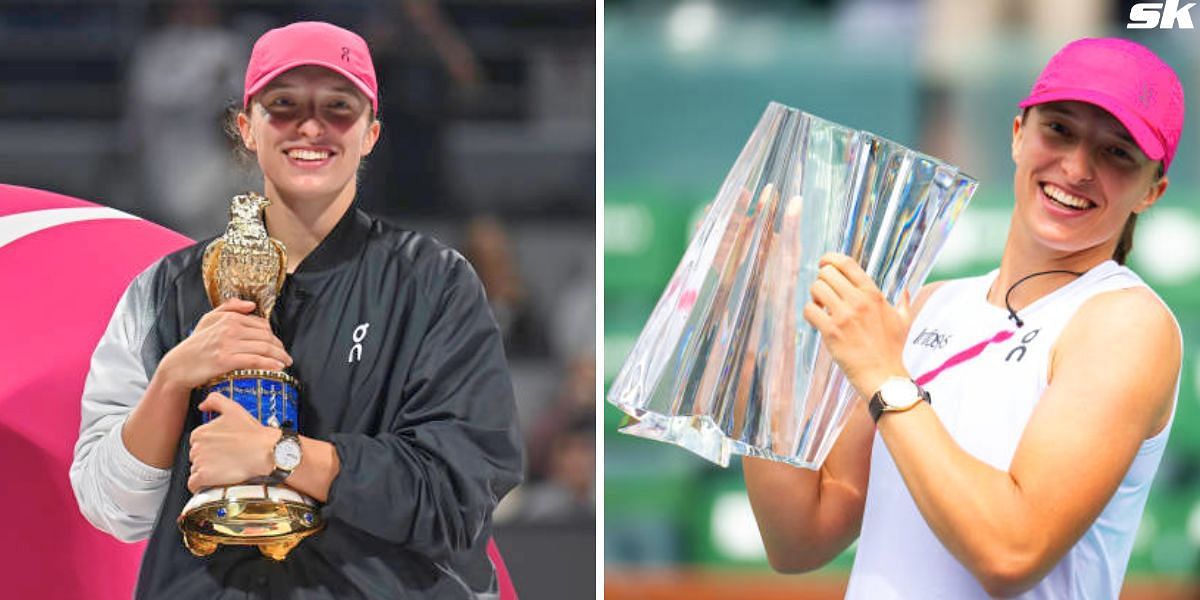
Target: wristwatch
column 897, row 394
column 287, row 456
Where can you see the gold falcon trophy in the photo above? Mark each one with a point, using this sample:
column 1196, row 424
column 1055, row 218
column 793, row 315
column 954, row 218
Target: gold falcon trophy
column 246, row 263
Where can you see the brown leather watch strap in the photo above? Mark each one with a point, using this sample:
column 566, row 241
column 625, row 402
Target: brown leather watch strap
column 876, row 408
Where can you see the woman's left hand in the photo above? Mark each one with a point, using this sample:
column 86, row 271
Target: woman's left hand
column 232, row 448
column 860, row 329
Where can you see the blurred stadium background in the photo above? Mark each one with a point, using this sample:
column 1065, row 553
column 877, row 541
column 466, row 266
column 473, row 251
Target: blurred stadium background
column 686, row 81
column 488, row 143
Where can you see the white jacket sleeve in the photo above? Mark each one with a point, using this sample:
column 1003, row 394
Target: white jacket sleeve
column 116, row 492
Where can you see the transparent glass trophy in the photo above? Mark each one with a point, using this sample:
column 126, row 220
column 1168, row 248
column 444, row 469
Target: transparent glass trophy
column 726, row 363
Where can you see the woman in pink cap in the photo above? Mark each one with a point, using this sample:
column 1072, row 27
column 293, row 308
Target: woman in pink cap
column 407, row 428
column 1011, row 424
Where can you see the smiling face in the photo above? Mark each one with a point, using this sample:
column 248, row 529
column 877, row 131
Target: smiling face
column 310, row 128
column 1079, row 175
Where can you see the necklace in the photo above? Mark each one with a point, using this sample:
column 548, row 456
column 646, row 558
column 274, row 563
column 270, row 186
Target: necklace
column 1012, row 314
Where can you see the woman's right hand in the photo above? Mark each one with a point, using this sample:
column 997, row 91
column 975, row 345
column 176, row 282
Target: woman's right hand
column 225, row 339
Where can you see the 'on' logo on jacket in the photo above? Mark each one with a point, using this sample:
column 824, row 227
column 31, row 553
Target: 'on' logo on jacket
column 360, row 334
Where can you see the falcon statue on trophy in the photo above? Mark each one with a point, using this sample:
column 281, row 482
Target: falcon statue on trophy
column 245, row 263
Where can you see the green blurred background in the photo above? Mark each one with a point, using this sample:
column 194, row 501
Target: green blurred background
column 685, row 83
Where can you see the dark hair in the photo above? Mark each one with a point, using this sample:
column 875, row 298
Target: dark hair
column 241, row 154
column 1125, row 242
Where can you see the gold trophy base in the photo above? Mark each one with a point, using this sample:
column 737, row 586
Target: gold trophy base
column 275, row 525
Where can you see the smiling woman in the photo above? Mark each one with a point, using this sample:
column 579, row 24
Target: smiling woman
column 310, row 129
column 408, row 434
column 1105, row 179
column 1017, row 458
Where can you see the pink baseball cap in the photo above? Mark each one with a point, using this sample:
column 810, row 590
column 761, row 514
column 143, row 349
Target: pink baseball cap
column 1124, row 78
column 311, row 43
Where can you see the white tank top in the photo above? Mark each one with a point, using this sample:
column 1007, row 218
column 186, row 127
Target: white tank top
column 985, row 376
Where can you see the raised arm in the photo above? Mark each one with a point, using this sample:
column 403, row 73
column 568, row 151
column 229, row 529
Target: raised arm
column 1112, row 379
column 1105, row 397
column 806, row 518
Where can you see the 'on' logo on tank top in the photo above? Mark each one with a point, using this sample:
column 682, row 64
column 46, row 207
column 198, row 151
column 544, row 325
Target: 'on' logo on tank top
column 1018, row 352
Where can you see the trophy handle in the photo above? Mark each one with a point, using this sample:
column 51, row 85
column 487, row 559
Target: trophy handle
column 208, row 267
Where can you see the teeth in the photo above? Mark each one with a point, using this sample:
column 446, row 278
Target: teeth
column 1064, row 198
column 308, row 154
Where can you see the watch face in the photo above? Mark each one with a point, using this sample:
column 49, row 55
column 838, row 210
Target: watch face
column 899, row 393
column 287, row 454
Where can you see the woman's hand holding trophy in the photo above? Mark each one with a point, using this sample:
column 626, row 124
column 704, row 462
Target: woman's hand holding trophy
column 227, row 338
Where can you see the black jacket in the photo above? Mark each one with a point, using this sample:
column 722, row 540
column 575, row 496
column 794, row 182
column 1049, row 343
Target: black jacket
column 418, row 404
